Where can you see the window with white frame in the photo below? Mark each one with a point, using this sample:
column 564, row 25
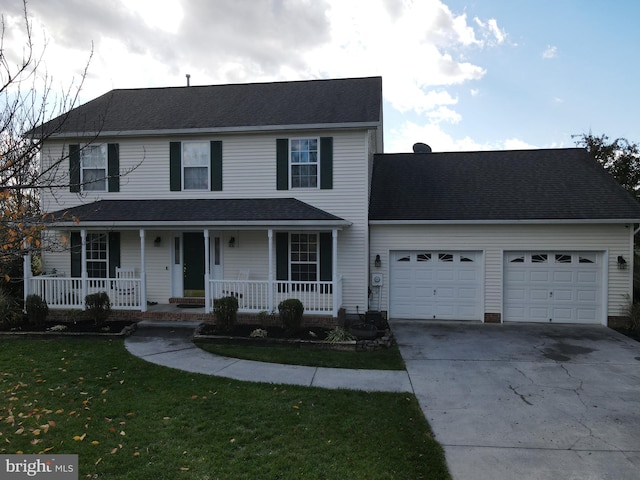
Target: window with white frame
column 93, row 168
column 195, row 165
column 304, row 163
column 304, row 257
column 97, row 255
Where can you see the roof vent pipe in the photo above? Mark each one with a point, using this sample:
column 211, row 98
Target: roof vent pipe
column 188, row 80
column 421, row 148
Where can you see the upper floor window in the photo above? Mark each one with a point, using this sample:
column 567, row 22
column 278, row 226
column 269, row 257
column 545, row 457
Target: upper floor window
column 304, row 163
column 195, row 165
column 93, row 168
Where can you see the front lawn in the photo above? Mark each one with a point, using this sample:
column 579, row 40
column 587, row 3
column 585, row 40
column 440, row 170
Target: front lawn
column 382, row 359
column 129, row 419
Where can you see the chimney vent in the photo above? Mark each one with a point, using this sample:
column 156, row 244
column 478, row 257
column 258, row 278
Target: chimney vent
column 421, row 148
column 188, row 80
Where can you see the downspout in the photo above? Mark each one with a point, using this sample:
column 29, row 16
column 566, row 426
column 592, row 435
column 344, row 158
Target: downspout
column 334, row 272
column 270, row 283
column 207, row 273
column 143, row 274
column 84, row 274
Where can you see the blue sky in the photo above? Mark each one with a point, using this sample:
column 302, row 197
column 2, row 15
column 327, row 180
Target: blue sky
column 459, row 75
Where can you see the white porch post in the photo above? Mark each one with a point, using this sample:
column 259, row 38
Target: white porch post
column 26, row 272
column 334, row 271
column 143, row 274
column 270, row 234
column 207, row 273
column 83, row 275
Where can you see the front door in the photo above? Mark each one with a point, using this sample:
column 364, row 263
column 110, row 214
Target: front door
column 193, row 264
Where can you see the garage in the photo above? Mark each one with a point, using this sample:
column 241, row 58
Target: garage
column 559, row 287
column 444, row 285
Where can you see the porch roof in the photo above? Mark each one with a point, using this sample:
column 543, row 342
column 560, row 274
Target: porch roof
column 179, row 213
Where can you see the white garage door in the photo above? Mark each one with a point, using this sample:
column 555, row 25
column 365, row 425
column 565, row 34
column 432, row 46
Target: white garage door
column 436, row 285
column 562, row 287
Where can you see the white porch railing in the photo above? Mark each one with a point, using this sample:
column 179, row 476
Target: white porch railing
column 254, row 296
column 69, row 293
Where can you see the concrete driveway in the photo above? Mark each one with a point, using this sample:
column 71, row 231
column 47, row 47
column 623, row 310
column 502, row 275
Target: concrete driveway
column 528, row 401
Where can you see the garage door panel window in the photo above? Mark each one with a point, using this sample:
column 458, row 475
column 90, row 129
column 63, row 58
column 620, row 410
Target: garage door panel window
column 562, row 258
column 423, row 257
column 539, row 258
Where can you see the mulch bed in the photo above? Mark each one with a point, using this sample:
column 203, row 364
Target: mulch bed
column 244, row 331
column 115, row 326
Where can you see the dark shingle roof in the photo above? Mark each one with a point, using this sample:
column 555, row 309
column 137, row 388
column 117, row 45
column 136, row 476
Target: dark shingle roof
column 195, row 211
column 552, row 184
column 312, row 102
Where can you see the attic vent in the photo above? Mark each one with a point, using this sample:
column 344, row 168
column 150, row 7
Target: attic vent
column 421, row 148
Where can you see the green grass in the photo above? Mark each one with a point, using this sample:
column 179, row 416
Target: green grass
column 129, row 419
column 382, row 359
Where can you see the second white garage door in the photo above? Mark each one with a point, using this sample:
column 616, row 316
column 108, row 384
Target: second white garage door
column 436, row 285
column 561, row 287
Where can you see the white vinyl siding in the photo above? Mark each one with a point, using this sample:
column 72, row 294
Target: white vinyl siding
column 249, row 171
column 495, row 240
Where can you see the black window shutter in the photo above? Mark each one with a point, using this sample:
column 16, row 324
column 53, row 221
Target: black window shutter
column 282, row 256
column 113, row 168
column 74, row 168
column 326, row 163
column 76, row 254
column 282, row 163
column 326, row 257
column 114, row 253
column 216, row 165
column 175, row 166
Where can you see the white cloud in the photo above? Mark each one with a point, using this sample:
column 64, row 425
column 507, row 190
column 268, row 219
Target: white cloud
column 402, row 138
column 491, row 33
column 419, row 47
column 550, row 52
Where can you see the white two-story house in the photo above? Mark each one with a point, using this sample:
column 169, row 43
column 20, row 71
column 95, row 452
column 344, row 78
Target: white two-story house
column 173, row 194
column 271, row 191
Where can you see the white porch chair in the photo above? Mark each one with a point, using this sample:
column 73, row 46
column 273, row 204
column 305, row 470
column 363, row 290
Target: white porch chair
column 126, row 290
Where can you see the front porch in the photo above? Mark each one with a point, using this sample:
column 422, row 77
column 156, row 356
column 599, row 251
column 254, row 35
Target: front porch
column 129, row 294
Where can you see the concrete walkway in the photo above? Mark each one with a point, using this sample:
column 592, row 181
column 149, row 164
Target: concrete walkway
column 169, row 344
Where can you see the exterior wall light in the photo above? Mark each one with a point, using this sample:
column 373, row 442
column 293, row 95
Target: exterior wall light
column 377, row 262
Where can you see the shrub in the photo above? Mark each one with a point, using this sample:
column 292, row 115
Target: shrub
column 225, row 310
column 37, row 310
column 98, row 307
column 10, row 312
column 633, row 312
column 291, row 311
column 338, row 335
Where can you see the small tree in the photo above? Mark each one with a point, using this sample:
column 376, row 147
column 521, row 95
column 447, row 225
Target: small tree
column 291, row 312
column 37, row 310
column 225, row 310
column 98, row 307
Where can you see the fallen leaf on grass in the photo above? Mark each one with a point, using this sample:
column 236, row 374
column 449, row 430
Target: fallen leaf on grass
column 79, row 438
